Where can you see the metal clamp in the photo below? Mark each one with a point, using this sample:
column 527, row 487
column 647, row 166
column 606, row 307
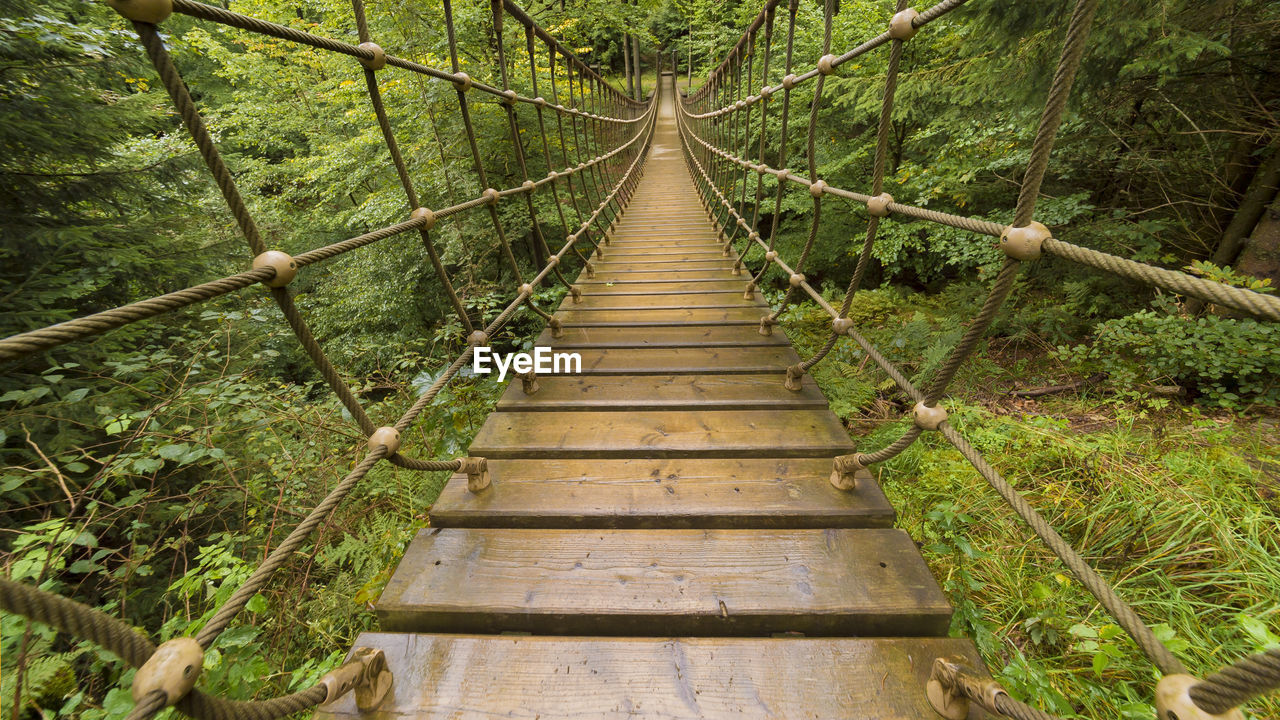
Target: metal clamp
column 366, row 673
column 951, row 687
column 477, row 471
column 847, row 470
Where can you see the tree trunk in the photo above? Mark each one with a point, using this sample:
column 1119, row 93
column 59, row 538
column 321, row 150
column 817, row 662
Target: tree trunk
column 1261, row 192
column 635, row 63
column 1260, row 256
column 626, row 61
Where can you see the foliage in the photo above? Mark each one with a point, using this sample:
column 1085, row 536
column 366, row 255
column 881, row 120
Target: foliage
column 1229, row 362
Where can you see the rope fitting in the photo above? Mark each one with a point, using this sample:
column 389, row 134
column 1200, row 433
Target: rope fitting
column 428, row 215
column 479, row 337
column 847, row 470
column 553, row 175
column 540, row 101
column 902, row 25
column 795, row 378
column 928, row 418
column 878, row 206
column 575, row 292
column 589, row 269
column 528, row 185
column 527, row 290
column 529, row 382
column 841, row 326
column 796, row 279
column 1023, row 243
column 553, row 261
column 557, row 327
column 750, row 292
column 789, row 81
column 477, row 472
column 172, row 669
column 825, row 64
column 366, row 673
column 147, row 11
column 817, row 188
column 284, row 265
column 766, row 325
column 462, row 81
column 388, row 436
column 491, row 196
column 767, row 92
column 1173, row 701
column 771, row 255
column 508, row 97
column 951, row 687
column 379, row 59
column 737, row 265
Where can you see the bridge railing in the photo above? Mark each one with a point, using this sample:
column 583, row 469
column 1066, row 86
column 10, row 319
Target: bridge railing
column 725, row 153
column 593, row 142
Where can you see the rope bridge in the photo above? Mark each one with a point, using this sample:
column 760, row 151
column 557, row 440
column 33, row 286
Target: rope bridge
column 599, row 141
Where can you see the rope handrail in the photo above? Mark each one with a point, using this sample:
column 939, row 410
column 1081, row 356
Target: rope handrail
column 718, row 117
column 614, row 129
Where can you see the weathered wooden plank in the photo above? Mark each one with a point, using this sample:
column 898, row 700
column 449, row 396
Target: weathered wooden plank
column 603, row 276
column 646, row 287
column 448, row 677
column 598, row 301
column 690, row 336
column 609, row 264
column 645, row 317
column 662, row 493
column 663, row 392
column 861, row 582
column 619, row 251
column 679, row 361
column 660, row 433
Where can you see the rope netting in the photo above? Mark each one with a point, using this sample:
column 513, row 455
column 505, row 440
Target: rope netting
column 725, row 133
column 594, row 141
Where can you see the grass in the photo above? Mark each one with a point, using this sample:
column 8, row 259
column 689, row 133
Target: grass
column 1177, row 506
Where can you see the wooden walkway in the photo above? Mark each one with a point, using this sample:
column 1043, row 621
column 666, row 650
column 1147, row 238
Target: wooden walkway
column 660, row 539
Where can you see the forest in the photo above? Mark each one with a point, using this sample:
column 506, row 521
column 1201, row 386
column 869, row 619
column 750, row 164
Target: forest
column 148, row 470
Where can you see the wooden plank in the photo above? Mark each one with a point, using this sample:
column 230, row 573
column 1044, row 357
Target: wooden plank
column 667, row 275
column 680, row 361
column 860, row 582
column 447, row 677
column 676, row 254
column 644, row 317
column 609, row 264
column 663, row 392
column 597, row 301
column 681, row 286
column 679, row 493
column 686, row 336
column 661, row 433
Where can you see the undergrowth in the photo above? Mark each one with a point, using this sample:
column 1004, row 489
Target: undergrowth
column 1176, row 504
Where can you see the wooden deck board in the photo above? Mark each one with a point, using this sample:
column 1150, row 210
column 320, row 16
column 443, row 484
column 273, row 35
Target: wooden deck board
column 448, row 677
column 843, row 582
column 662, row 493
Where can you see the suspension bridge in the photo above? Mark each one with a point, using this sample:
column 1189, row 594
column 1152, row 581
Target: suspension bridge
column 683, row 529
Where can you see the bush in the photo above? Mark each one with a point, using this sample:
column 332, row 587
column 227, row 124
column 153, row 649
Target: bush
column 1228, row 362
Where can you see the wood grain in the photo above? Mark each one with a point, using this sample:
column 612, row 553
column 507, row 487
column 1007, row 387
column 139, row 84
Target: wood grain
column 685, row 336
column 643, row 317
column 662, row 493
column 843, row 582
column 662, row 433
column 456, row 677
column 680, row 360
column 663, row 392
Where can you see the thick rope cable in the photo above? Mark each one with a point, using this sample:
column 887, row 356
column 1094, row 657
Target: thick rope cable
column 1238, row 683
